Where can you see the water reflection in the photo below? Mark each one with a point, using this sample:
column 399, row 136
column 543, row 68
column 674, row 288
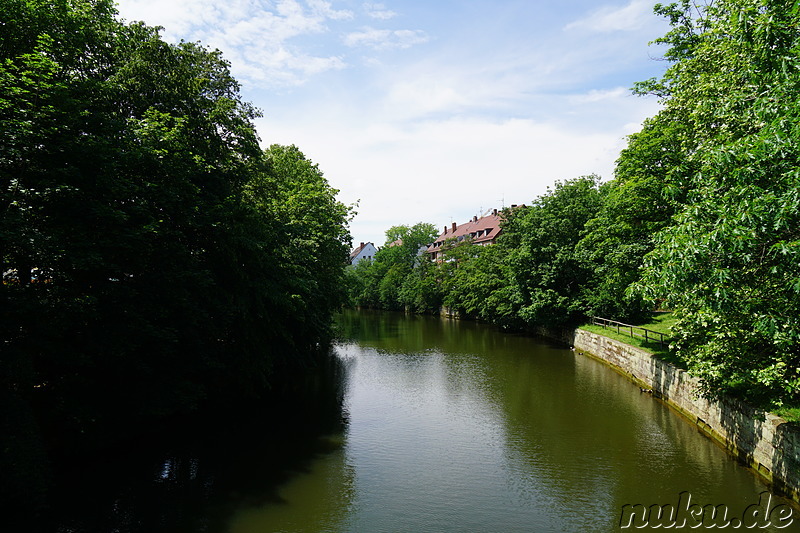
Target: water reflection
column 422, row 424
column 455, row 426
column 195, row 475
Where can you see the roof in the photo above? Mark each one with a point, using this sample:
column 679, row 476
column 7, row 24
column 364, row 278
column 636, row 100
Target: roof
column 480, row 230
column 357, row 249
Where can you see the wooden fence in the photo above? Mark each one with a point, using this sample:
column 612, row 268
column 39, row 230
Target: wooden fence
column 634, row 331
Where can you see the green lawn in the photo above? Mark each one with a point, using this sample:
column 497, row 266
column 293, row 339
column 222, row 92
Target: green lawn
column 660, row 322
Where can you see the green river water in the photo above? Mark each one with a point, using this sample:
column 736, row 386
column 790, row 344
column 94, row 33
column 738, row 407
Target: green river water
column 425, row 425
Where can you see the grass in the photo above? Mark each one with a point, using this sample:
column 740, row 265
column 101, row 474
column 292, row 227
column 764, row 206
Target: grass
column 790, row 414
column 660, row 322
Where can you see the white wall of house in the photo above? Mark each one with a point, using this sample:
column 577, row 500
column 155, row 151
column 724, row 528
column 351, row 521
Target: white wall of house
column 367, row 252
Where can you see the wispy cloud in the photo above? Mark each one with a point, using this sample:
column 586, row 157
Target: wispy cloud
column 255, row 35
column 630, row 17
column 595, row 95
column 325, row 9
column 378, row 11
column 385, row 39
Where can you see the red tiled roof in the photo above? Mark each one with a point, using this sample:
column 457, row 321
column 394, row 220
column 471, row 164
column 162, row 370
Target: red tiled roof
column 478, row 230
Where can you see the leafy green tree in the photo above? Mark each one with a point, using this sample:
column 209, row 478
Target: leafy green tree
column 387, row 281
column 729, row 264
column 390, row 285
column 481, row 286
column 453, row 272
column 315, row 243
column 421, row 291
column 403, row 243
column 541, row 239
column 115, row 177
column 362, row 284
column 152, row 255
column 640, row 201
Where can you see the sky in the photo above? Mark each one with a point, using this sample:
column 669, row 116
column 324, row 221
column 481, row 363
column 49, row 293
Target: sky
column 433, row 110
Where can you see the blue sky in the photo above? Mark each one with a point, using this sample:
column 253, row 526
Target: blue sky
column 433, row 110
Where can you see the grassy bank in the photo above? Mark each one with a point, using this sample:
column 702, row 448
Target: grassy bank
column 662, row 322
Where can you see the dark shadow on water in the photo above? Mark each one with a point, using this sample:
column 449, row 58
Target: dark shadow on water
column 187, row 475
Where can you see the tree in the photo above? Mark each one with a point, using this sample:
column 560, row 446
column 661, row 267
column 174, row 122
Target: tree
column 421, row 291
column 406, row 241
column 541, row 241
column 316, row 241
column 148, row 245
column 391, row 279
column 729, row 264
column 480, row 285
column 640, row 201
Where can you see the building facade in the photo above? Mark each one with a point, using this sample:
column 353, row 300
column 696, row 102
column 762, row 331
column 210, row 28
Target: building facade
column 366, row 250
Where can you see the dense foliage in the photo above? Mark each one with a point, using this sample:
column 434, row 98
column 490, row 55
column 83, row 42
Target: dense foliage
column 397, row 275
column 153, row 256
column 533, row 276
column 729, row 264
column 702, row 216
column 545, row 265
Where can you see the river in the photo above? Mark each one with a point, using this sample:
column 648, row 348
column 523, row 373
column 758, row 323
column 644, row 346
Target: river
column 427, row 425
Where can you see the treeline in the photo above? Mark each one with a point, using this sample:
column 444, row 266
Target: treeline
column 153, row 256
column 546, row 269
column 702, row 217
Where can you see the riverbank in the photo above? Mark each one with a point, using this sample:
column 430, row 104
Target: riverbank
column 765, row 442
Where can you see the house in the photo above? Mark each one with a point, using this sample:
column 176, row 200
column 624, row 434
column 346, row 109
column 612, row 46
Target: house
column 481, row 231
column 366, row 250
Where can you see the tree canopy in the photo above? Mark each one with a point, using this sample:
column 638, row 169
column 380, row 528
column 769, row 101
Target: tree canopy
column 729, row 264
column 153, row 255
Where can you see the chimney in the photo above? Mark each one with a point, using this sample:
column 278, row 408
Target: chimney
column 445, row 230
column 454, row 227
column 475, row 218
column 362, row 245
column 494, row 212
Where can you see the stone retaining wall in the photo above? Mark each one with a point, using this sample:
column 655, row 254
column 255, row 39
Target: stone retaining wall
column 765, row 442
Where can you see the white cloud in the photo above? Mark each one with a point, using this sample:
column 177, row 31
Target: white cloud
column 419, row 97
column 378, row 11
column 325, row 9
column 256, row 36
column 432, row 170
column 385, row 39
column 607, row 19
column 600, row 95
